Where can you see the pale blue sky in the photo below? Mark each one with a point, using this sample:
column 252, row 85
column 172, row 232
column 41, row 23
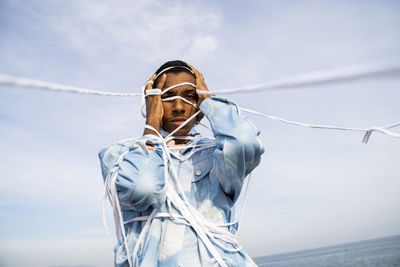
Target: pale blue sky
column 313, row 187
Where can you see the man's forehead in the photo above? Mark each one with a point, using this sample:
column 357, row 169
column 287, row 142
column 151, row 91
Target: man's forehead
column 181, row 88
column 178, row 78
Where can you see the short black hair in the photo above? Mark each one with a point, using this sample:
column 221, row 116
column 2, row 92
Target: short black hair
column 172, row 63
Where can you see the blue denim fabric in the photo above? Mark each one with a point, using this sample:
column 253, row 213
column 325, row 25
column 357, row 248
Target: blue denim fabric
column 212, row 179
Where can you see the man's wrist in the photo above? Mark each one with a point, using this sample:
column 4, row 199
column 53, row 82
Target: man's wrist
column 156, row 124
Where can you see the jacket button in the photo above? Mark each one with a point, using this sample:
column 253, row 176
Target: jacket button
column 198, row 172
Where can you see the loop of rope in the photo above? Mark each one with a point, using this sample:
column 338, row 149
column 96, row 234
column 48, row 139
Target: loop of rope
column 173, row 67
column 177, row 85
column 155, row 91
column 172, row 98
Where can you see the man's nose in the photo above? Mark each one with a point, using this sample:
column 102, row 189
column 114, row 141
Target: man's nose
column 178, row 106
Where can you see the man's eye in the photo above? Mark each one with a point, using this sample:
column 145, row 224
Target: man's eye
column 190, row 96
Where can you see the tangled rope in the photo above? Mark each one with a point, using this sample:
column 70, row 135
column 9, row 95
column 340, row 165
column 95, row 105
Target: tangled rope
column 311, row 79
column 210, row 234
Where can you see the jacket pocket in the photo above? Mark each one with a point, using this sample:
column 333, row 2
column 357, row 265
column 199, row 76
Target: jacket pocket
column 202, row 168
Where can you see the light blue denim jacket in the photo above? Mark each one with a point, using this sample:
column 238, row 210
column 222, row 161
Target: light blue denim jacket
column 212, row 179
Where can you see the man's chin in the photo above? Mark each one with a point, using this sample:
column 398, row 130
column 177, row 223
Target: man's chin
column 181, row 132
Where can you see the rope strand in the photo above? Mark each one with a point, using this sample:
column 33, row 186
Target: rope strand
column 312, row 79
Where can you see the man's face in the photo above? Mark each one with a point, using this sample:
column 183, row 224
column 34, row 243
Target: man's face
column 178, row 111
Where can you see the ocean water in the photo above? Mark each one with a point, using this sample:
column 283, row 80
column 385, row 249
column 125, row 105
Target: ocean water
column 383, row 252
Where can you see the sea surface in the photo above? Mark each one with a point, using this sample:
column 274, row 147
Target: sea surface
column 382, row 252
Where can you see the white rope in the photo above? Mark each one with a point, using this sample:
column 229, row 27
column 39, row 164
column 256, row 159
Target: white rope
column 368, row 131
column 318, row 78
column 172, row 98
column 111, row 191
column 196, row 220
column 120, row 219
column 173, row 67
column 156, row 91
column 302, row 80
column 243, row 205
column 141, row 237
column 15, row 81
column 310, row 79
column 177, row 85
column 209, row 233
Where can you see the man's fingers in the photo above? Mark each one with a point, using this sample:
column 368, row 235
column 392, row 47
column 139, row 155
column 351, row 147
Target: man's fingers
column 195, row 71
column 160, row 85
column 201, row 85
column 149, row 83
column 192, row 68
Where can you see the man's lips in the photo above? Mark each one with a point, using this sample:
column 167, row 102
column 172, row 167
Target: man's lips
column 178, row 121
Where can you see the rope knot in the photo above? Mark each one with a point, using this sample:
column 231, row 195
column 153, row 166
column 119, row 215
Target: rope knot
column 368, row 133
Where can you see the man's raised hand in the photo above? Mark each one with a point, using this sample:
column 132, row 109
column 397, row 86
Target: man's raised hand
column 200, row 86
column 154, row 108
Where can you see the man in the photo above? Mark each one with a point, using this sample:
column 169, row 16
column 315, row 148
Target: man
column 173, row 192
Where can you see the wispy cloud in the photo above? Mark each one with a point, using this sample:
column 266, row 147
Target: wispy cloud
column 166, row 30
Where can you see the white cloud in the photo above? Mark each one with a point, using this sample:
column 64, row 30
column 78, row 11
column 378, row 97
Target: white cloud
column 202, row 45
column 165, row 30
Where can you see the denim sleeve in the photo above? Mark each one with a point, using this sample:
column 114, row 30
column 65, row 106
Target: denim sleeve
column 140, row 174
column 238, row 149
